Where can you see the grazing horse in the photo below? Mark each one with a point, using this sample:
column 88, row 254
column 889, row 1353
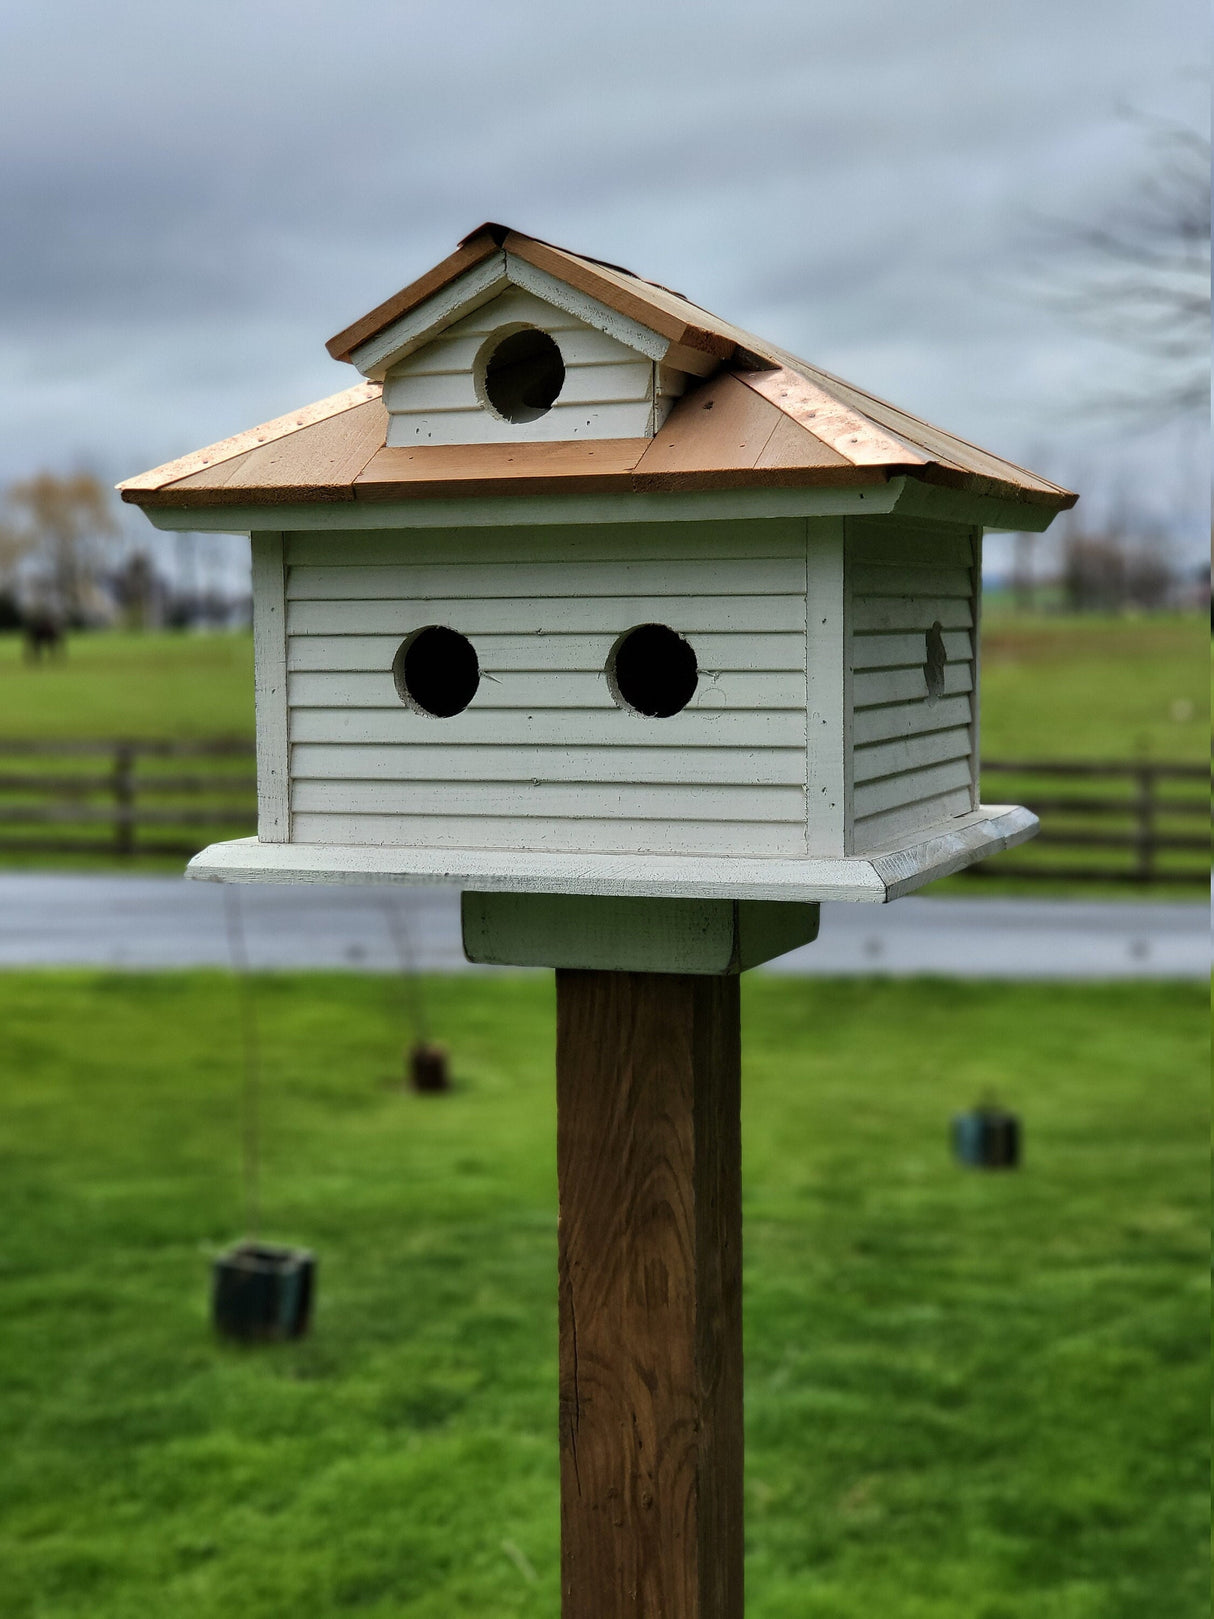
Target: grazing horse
column 43, row 633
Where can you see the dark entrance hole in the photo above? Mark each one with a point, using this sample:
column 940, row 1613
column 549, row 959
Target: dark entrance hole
column 523, row 375
column 436, row 671
column 652, row 669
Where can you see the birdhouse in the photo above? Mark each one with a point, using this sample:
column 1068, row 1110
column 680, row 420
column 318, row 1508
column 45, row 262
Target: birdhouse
column 650, row 637
column 584, row 590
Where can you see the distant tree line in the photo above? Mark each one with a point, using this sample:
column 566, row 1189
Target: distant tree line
column 63, row 566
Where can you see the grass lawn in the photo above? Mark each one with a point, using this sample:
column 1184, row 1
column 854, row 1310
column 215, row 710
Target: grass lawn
column 128, row 685
column 1096, row 688
column 968, row 1396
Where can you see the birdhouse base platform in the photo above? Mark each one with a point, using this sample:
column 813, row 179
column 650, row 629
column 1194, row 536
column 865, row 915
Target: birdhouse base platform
column 873, row 877
column 606, row 933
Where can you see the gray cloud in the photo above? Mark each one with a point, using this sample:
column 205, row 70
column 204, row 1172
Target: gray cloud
column 194, row 199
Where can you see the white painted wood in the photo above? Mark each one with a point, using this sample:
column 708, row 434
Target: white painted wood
column 907, row 545
column 984, row 831
column 909, row 820
column 702, row 541
column 555, row 728
column 916, row 787
column 458, row 762
column 477, row 285
column 563, row 422
column 543, row 628
column 428, row 393
column 909, row 720
column 455, row 351
column 608, row 391
column 522, row 578
column 599, row 835
column 585, row 308
column 490, row 511
column 826, row 695
column 911, row 581
column 552, row 615
column 270, row 688
column 559, row 798
column 912, row 756
column 715, row 653
column 550, row 689
column 906, row 650
column 906, row 753
column 497, row 511
column 911, row 612
column 877, row 687
column 897, row 868
column 611, row 934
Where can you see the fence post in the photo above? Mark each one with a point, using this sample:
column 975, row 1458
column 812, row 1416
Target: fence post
column 124, row 799
column 1144, row 815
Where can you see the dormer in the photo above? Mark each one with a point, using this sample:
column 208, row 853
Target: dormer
column 505, row 351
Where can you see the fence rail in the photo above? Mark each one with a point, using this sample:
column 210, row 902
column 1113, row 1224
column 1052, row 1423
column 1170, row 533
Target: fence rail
column 67, row 804
column 1118, row 807
column 55, row 804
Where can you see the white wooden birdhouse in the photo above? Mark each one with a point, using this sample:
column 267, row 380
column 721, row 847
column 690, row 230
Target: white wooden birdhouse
column 649, row 637
column 584, row 590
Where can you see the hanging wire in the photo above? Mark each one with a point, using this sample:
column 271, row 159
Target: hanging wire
column 250, row 1089
column 402, row 940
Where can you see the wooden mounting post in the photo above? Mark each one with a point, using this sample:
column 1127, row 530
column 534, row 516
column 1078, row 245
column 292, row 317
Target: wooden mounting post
column 649, row 1167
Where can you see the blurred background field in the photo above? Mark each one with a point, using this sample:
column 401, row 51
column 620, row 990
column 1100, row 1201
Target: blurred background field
column 966, row 1394
column 1069, row 688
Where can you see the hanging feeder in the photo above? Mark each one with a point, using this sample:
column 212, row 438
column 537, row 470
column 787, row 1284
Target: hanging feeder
column 262, row 1293
column 987, row 1138
column 427, row 1067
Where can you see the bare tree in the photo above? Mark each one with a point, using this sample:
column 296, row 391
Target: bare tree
column 62, row 518
column 1138, row 274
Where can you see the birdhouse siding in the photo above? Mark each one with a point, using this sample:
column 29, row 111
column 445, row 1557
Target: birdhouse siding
column 543, row 758
column 609, row 389
column 914, row 752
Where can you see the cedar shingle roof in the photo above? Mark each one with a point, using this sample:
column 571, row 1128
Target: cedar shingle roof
column 763, row 419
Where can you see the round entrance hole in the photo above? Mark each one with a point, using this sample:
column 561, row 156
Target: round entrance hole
column 436, row 671
column 652, row 670
column 521, row 375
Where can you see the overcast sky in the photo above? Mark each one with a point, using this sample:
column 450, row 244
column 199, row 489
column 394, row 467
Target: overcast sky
column 195, row 197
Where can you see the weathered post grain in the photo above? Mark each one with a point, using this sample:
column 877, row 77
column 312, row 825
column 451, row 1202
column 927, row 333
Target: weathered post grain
column 649, row 1167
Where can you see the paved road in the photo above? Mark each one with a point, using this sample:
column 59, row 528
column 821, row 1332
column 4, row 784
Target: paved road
column 149, row 922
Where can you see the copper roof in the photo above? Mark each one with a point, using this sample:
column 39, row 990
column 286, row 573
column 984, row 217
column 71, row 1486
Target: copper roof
column 764, row 419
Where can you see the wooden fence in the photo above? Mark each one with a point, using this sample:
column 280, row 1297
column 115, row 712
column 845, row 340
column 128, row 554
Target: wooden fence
column 123, row 798
column 1104, row 822
column 1116, row 822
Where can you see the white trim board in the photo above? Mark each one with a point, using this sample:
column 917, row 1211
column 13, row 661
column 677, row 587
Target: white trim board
column 905, row 496
column 872, row 879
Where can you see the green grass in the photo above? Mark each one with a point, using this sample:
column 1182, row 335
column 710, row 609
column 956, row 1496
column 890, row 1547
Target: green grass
column 130, row 685
column 968, row 1396
column 1096, row 688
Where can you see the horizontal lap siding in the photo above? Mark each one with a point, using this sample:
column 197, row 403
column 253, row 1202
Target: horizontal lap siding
column 608, row 391
column 543, row 758
column 912, row 753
